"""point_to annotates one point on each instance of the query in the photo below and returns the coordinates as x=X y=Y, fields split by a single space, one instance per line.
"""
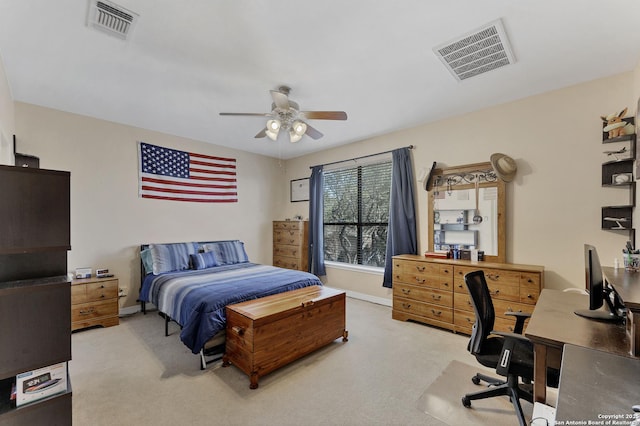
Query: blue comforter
x=196 y=299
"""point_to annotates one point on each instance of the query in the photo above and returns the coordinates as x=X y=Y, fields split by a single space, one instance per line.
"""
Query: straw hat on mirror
x=504 y=166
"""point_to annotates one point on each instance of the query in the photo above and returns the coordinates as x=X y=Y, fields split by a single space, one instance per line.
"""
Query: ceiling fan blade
x=325 y=115
x=280 y=99
x=253 y=114
x=261 y=134
x=313 y=133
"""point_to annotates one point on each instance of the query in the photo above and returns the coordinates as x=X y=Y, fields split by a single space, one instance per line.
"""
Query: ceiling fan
x=286 y=115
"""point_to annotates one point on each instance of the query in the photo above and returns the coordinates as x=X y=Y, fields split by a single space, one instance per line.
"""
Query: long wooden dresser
x=432 y=291
x=291 y=244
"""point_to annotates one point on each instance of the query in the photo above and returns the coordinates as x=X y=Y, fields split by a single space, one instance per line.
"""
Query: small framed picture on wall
x=300 y=190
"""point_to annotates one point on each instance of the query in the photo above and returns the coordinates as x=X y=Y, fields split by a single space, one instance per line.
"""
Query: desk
x=595 y=384
x=553 y=324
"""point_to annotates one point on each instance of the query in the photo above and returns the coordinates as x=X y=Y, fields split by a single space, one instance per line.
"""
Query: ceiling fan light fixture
x=294 y=137
x=299 y=127
x=273 y=128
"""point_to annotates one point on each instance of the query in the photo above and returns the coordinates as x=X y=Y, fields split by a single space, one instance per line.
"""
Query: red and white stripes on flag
x=169 y=174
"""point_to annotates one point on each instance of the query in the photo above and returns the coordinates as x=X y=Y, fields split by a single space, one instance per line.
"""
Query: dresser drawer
x=502 y=306
x=432 y=311
x=288 y=226
x=91 y=310
x=462 y=301
x=530 y=287
x=464 y=320
x=423 y=274
x=291 y=238
x=286 y=251
x=286 y=262
x=423 y=294
x=496 y=278
x=81 y=293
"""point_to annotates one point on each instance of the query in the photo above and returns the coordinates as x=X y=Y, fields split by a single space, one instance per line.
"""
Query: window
x=356 y=214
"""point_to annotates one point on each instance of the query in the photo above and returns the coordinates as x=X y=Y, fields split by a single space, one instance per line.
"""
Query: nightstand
x=94 y=301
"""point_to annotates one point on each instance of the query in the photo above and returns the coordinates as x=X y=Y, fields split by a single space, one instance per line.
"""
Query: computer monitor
x=600 y=291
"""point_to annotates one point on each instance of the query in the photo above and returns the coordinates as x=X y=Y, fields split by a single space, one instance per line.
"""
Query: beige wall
x=109 y=221
x=7 y=120
x=553 y=205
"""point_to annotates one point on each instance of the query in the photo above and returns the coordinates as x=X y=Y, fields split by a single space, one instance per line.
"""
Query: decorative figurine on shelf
x=616 y=126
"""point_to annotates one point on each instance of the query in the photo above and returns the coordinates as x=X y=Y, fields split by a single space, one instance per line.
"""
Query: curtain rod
x=359 y=158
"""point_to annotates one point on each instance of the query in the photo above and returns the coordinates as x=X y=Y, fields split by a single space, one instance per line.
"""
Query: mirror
x=454 y=220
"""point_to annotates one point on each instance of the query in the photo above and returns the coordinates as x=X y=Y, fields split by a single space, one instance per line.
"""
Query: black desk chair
x=511 y=354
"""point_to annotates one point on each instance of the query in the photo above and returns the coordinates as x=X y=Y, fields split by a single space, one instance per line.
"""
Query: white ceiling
x=187 y=61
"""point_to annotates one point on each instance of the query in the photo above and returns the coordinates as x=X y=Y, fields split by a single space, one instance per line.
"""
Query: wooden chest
x=265 y=334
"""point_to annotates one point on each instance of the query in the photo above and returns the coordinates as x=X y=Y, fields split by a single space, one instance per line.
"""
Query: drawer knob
x=406 y=305
x=436 y=297
x=494 y=293
x=102 y=286
x=494 y=277
x=406 y=290
x=420 y=280
x=436 y=313
x=529 y=296
x=420 y=268
x=468 y=319
x=238 y=330
x=459 y=285
x=446 y=271
x=447 y=284
x=102 y=296
x=530 y=280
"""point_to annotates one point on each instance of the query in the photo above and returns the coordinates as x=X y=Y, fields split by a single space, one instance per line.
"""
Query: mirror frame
x=459 y=178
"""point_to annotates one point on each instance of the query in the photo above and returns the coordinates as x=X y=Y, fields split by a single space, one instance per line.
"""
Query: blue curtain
x=316 y=219
x=401 y=233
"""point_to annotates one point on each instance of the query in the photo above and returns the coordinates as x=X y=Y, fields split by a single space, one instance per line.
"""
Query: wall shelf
x=617 y=172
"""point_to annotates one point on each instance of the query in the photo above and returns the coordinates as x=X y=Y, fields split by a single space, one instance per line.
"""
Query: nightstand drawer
x=94 y=290
x=91 y=310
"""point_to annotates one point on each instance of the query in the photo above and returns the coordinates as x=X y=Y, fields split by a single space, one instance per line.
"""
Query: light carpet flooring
x=132 y=374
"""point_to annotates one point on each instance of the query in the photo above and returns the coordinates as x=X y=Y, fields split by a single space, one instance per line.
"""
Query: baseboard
x=129 y=310
x=369 y=298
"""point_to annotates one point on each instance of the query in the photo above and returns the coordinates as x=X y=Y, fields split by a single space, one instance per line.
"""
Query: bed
x=191 y=283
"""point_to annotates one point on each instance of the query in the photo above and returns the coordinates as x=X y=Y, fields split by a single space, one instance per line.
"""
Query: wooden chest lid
x=286 y=303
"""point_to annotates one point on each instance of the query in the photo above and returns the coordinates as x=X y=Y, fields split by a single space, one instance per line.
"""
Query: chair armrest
x=520 y=318
x=511 y=336
x=510 y=341
x=518 y=314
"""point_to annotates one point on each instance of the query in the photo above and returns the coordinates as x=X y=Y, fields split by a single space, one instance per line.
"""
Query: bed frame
x=213 y=349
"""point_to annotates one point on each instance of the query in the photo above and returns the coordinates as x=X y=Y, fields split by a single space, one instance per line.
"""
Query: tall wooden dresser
x=432 y=291
x=291 y=244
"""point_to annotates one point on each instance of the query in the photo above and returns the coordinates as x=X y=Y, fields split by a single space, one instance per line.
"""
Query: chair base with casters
x=510 y=387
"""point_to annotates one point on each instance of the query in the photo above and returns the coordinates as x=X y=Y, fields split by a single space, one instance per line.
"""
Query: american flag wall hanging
x=169 y=174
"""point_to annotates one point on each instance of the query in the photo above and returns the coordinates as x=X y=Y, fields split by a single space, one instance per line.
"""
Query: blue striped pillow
x=228 y=252
x=171 y=257
x=204 y=260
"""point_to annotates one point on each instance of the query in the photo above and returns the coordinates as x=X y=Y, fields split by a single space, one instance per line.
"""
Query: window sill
x=356 y=268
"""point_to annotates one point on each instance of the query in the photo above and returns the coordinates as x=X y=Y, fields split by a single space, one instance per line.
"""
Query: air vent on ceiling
x=111 y=18
x=477 y=52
